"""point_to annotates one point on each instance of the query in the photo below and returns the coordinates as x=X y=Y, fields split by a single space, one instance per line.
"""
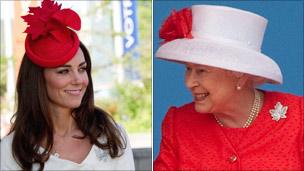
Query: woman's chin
x=200 y=108
x=73 y=105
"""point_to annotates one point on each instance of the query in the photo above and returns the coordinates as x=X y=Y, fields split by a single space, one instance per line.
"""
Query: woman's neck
x=236 y=112
x=63 y=122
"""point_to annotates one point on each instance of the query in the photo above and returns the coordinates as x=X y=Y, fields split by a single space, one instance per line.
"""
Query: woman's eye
x=201 y=70
x=188 y=69
x=83 y=69
x=65 y=71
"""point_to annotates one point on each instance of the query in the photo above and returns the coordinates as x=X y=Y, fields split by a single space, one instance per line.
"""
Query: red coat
x=194 y=141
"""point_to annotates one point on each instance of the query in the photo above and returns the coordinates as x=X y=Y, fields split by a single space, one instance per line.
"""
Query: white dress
x=97 y=159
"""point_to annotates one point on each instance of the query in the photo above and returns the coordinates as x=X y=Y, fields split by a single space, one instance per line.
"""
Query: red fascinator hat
x=50 y=40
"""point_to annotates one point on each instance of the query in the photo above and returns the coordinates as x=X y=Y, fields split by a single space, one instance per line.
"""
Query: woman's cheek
x=86 y=79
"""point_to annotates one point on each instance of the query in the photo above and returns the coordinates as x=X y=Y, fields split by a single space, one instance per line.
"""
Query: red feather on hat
x=50 y=19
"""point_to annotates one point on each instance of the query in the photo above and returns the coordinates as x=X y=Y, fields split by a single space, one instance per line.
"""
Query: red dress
x=194 y=141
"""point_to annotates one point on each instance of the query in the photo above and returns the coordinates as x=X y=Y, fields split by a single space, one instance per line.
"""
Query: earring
x=238 y=87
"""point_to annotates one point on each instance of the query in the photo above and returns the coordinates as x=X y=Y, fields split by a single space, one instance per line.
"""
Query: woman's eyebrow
x=82 y=63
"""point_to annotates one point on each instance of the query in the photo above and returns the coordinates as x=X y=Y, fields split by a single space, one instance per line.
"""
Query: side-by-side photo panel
x=228 y=85
x=77 y=90
x=76 y=86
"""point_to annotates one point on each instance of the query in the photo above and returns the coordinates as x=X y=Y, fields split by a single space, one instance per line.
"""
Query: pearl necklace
x=253 y=112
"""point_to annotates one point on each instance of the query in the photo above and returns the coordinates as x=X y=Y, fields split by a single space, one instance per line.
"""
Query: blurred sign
x=125 y=22
x=129 y=24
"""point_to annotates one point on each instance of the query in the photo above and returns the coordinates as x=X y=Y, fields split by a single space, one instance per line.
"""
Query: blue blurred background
x=283 y=42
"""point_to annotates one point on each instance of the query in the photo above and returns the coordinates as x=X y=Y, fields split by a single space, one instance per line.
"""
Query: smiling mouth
x=200 y=96
x=73 y=92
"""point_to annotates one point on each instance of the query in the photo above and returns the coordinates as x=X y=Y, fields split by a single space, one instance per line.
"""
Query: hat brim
x=221 y=55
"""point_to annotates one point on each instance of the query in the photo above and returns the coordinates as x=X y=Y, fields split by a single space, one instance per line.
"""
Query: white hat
x=224 y=37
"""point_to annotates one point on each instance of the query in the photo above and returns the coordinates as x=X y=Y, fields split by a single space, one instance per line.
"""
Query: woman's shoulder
x=280 y=103
x=8 y=138
x=6 y=142
x=184 y=113
x=7 y=160
x=283 y=95
x=188 y=107
x=284 y=98
x=125 y=159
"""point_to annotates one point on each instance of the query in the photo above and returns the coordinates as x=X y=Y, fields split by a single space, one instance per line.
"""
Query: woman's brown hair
x=33 y=125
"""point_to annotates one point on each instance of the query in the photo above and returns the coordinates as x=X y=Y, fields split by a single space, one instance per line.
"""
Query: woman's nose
x=77 y=78
x=191 y=80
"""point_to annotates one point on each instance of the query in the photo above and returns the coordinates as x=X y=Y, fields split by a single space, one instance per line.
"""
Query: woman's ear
x=242 y=79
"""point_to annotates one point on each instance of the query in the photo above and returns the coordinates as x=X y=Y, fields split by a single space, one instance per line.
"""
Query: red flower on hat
x=50 y=19
x=177 y=25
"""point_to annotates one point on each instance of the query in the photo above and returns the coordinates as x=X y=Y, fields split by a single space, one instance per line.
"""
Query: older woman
x=57 y=126
x=230 y=125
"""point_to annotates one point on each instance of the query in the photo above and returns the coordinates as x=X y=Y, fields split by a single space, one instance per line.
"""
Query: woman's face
x=67 y=84
x=212 y=88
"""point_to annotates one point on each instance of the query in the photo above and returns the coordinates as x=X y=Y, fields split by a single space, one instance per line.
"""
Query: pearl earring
x=238 y=87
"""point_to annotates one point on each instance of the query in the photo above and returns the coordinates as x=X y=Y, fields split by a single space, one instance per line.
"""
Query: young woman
x=57 y=126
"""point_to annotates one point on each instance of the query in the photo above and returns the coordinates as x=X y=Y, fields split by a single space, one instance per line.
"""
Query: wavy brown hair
x=33 y=125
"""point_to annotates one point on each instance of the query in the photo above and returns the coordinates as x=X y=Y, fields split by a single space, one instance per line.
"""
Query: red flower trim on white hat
x=177 y=25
